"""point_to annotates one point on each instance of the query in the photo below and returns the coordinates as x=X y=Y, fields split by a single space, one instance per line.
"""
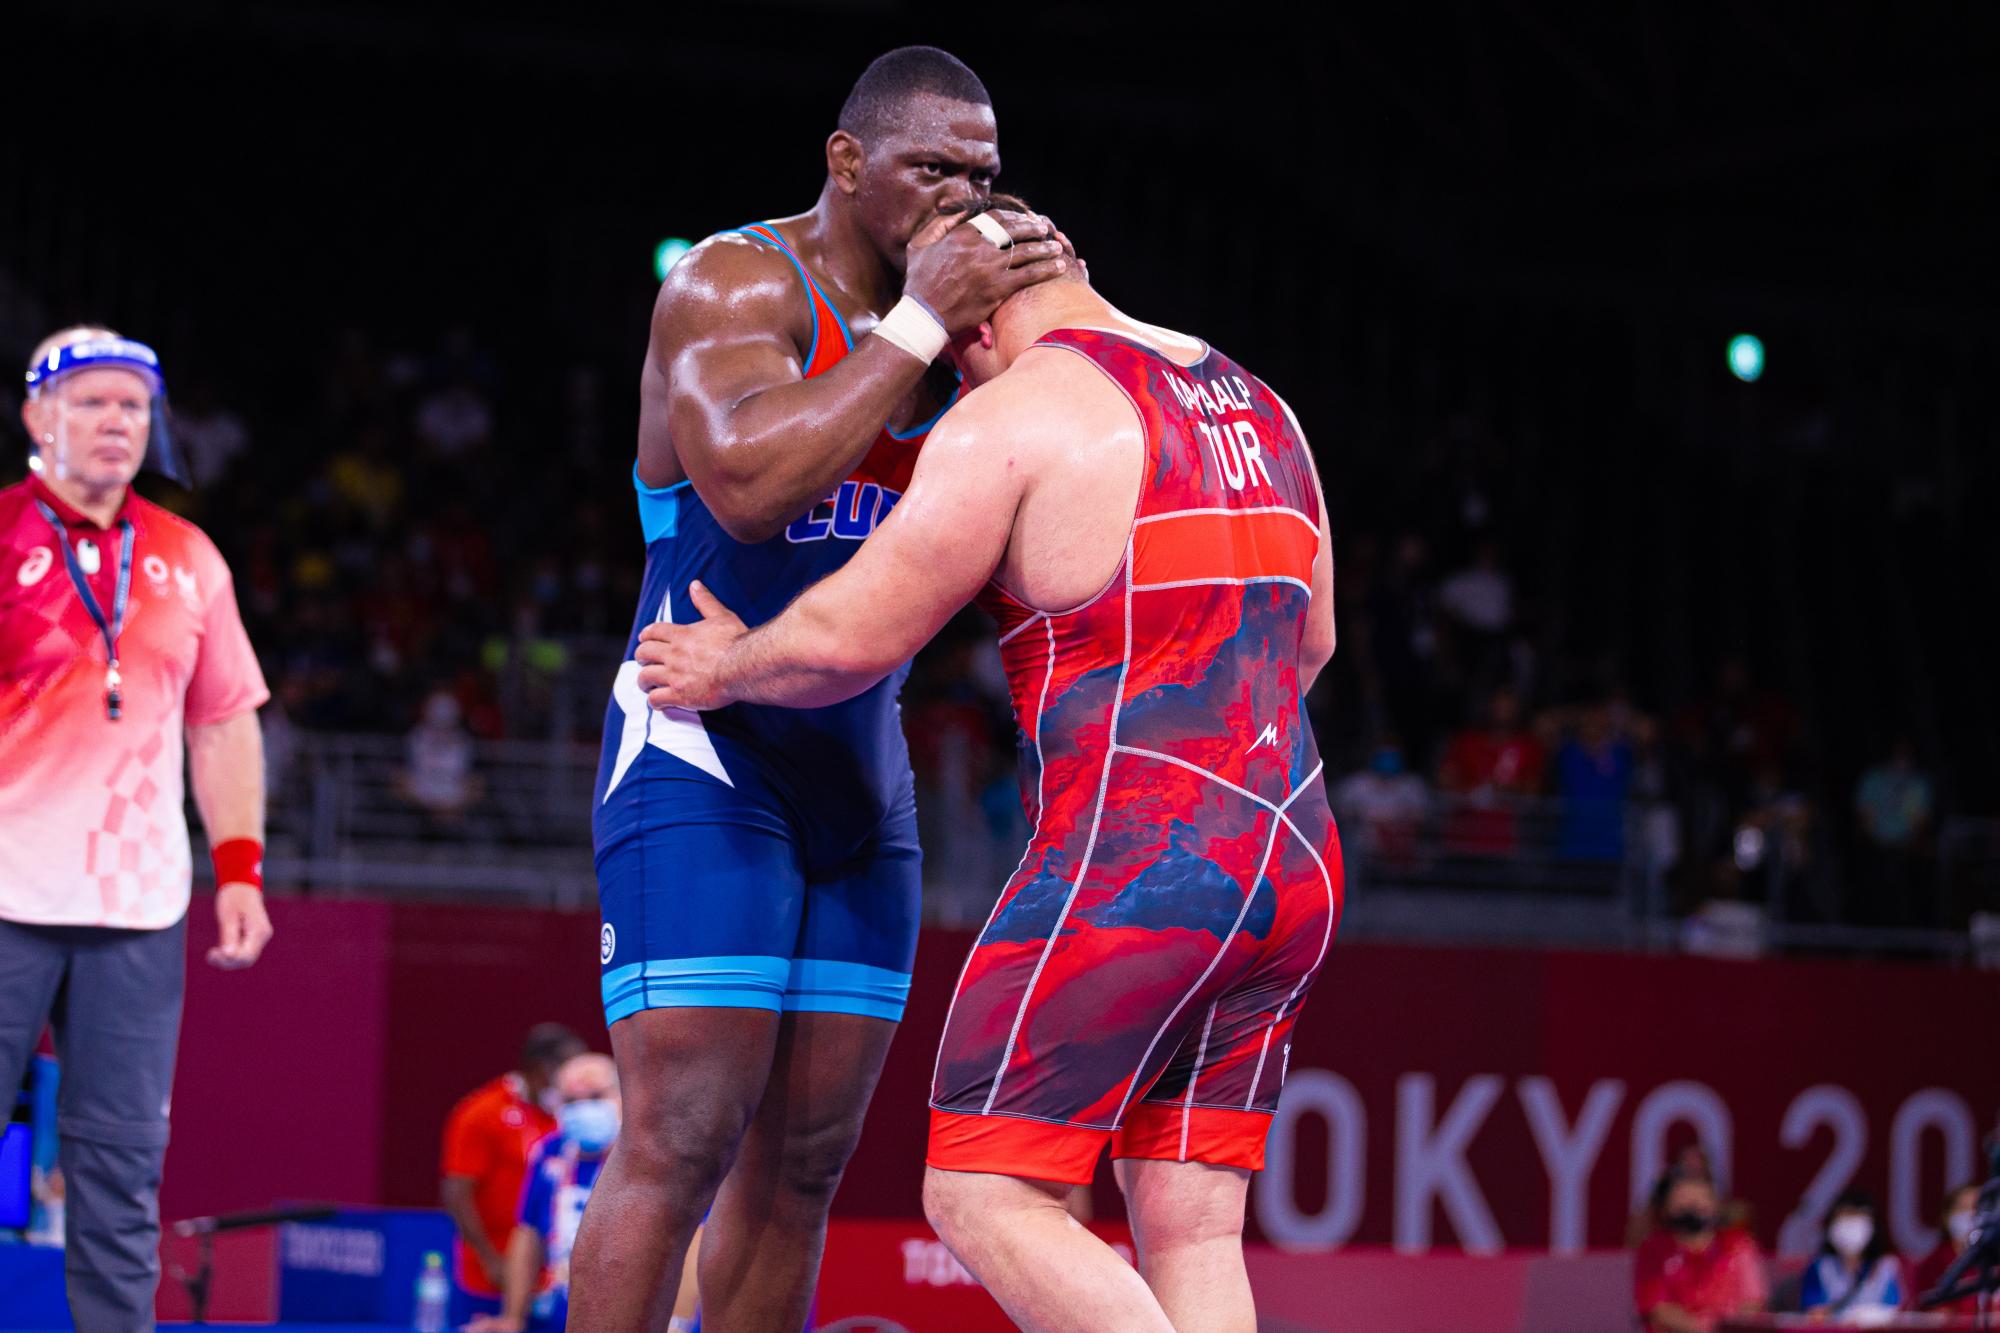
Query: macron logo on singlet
x=850 y=513
x=1268 y=736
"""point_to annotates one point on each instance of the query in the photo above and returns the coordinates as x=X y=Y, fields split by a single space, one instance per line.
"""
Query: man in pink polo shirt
x=119 y=637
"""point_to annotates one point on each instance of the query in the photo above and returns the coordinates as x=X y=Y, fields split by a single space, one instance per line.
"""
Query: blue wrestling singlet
x=759 y=857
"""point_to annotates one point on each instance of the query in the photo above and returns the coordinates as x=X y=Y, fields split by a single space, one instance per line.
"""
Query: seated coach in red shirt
x=1691 y=1273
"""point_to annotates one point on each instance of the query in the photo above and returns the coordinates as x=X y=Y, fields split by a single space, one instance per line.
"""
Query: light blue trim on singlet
x=735 y=981
x=830 y=986
x=769 y=235
x=759 y=230
x=750 y=981
x=659 y=512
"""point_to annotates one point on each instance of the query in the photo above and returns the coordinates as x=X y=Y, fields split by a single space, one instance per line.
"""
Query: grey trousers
x=114 y=997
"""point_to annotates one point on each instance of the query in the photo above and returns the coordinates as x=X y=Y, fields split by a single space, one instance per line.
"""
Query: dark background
x=1491 y=254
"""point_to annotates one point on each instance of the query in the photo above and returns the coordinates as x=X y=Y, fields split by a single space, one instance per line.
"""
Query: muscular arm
x=723 y=397
x=723 y=400
x=933 y=553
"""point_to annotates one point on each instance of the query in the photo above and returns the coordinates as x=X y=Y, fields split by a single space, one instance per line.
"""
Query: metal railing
x=347 y=818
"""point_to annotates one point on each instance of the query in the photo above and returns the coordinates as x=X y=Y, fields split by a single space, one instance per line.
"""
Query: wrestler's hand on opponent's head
x=963 y=277
x=678 y=663
x=1068 y=246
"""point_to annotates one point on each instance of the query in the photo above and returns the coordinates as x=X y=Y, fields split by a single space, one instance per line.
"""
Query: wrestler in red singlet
x=1142 y=970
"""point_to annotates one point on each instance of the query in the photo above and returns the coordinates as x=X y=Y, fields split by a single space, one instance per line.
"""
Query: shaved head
x=880 y=96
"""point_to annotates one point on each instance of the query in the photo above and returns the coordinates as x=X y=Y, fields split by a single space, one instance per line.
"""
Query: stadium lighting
x=668 y=253
x=1746 y=357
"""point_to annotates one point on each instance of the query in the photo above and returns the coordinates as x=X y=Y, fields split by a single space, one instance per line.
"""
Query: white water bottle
x=433 y=1296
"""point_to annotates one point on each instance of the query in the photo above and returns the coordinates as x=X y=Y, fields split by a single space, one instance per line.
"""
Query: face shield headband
x=117 y=354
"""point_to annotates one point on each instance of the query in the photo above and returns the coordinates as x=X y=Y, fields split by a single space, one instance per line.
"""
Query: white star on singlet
x=678 y=731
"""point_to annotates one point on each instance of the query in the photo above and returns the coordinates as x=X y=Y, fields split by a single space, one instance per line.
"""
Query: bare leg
x=688 y=1302
x=760 y=1258
x=690 y=1079
x=1188 y=1220
x=1047 y=1272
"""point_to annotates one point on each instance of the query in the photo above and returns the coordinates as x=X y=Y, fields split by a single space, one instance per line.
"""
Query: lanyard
x=114 y=693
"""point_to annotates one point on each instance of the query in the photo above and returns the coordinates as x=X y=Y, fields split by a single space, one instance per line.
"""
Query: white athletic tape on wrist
x=914 y=329
x=993 y=230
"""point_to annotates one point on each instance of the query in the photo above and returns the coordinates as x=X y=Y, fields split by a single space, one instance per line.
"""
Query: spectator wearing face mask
x=438 y=776
x=1853 y=1276
x=562 y=1170
x=1690 y=1160
x=1690 y=1274
x=487 y=1141
x=1956 y=1221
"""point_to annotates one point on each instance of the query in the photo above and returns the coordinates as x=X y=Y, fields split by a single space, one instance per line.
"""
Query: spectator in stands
x=1853 y=1276
x=455 y=419
x=438 y=775
x=1403 y=635
x=1894 y=799
x=208 y=435
x=366 y=477
x=1692 y=1273
x=1776 y=847
x=1478 y=602
x=1494 y=767
x=281 y=737
x=1481 y=596
x=562 y=1170
x=1894 y=803
x=1956 y=1222
x=1384 y=805
x=1726 y=739
x=1594 y=770
x=487 y=1141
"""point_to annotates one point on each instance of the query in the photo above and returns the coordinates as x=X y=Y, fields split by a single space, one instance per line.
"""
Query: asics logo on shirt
x=39 y=562
x=850 y=513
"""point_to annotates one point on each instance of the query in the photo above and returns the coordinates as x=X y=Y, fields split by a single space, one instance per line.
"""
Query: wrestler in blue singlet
x=758 y=857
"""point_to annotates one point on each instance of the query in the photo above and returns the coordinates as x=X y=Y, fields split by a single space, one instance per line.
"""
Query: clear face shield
x=107 y=353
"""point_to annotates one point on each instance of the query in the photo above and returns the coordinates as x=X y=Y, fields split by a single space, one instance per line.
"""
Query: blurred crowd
x=420 y=544
x=1476 y=722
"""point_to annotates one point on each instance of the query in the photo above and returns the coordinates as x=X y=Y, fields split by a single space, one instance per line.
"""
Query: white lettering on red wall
x=1929 y=1143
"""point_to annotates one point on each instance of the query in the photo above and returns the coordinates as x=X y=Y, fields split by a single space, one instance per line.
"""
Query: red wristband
x=238 y=861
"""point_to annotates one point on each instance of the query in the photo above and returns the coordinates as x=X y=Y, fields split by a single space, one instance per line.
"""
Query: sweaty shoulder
x=1051 y=404
x=730 y=278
